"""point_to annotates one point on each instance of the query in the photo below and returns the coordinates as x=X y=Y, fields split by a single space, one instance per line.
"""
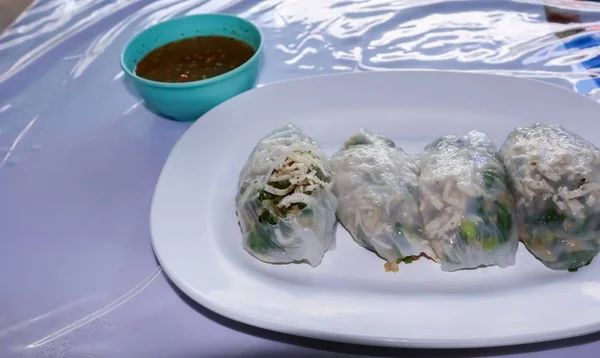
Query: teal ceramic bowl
x=188 y=101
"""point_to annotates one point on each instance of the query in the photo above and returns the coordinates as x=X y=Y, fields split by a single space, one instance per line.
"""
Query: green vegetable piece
x=549 y=216
x=504 y=221
x=587 y=263
x=265 y=195
x=581 y=255
x=405 y=231
x=398 y=227
x=356 y=140
x=267 y=217
x=489 y=243
x=243 y=188
x=468 y=230
x=490 y=177
x=502 y=208
x=306 y=211
x=258 y=243
x=481 y=209
x=280 y=184
x=407 y=260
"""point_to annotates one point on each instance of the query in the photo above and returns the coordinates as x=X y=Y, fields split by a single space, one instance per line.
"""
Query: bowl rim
x=199 y=82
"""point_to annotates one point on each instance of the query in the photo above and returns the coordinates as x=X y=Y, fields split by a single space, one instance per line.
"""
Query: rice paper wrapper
x=465 y=203
x=301 y=232
x=377 y=188
x=555 y=178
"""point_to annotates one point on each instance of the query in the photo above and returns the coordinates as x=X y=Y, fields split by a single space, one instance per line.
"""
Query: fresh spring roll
x=377 y=188
x=555 y=178
x=285 y=203
x=466 y=206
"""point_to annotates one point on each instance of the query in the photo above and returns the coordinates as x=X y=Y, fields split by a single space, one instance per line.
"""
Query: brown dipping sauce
x=194 y=59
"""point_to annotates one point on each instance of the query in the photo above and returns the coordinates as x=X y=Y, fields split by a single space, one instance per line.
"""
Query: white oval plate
x=349 y=297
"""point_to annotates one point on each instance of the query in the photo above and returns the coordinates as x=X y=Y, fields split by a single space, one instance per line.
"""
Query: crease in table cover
x=80 y=154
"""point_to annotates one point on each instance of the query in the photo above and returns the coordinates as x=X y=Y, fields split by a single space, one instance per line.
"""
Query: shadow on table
x=324 y=349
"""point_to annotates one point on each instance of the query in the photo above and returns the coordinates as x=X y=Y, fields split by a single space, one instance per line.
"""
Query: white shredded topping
x=449 y=199
x=450 y=208
x=467 y=189
x=278 y=192
x=300 y=169
x=559 y=204
x=450 y=224
x=591 y=200
x=579 y=192
x=575 y=206
x=436 y=223
x=548 y=172
x=295 y=199
x=437 y=203
x=539 y=184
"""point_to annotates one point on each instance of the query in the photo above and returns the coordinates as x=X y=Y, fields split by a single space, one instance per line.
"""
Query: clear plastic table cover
x=80 y=155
